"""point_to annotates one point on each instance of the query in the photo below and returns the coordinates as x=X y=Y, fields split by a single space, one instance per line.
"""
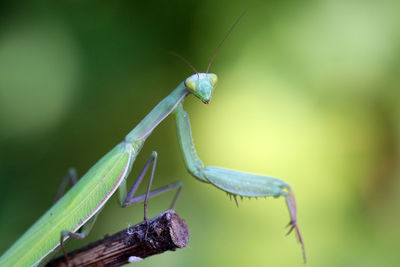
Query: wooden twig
x=165 y=232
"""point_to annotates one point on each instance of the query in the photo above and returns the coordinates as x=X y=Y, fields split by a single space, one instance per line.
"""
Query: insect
x=75 y=212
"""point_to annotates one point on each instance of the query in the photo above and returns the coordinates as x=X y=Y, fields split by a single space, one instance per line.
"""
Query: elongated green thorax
x=157 y=114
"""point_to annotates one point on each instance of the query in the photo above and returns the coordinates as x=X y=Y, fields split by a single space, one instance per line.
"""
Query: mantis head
x=202 y=85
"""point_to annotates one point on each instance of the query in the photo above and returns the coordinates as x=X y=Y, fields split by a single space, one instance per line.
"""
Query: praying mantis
x=75 y=212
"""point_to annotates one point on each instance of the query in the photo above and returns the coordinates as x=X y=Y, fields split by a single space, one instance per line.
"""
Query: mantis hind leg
x=129 y=199
x=71 y=177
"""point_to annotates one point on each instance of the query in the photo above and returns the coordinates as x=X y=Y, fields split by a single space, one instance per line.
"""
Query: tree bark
x=165 y=232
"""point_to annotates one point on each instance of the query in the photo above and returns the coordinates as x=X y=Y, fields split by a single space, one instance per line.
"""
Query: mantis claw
x=291 y=227
x=291 y=203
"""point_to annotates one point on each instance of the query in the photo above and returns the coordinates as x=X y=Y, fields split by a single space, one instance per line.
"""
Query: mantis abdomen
x=74 y=209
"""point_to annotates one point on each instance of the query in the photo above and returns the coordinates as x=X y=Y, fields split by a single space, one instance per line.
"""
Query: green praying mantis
x=75 y=212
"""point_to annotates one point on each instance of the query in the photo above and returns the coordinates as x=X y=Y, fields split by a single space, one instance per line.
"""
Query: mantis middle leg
x=129 y=199
x=125 y=199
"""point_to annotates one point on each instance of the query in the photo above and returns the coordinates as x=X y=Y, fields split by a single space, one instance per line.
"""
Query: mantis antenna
x=226 y=37
x=184 y=60
x=216 y=50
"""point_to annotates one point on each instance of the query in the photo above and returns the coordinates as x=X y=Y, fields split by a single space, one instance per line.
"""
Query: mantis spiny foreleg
x=233 y=182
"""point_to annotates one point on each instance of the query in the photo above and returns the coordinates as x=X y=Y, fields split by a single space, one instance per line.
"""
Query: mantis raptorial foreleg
x=233 y=182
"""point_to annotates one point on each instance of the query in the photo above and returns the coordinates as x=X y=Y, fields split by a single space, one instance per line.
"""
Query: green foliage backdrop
x=308 y=91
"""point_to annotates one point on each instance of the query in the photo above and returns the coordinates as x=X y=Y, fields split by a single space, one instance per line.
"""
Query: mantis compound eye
x=190 y=84
x=213 y=80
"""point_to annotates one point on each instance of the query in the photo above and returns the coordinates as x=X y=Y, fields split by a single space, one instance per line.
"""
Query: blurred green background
x=308 y=91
